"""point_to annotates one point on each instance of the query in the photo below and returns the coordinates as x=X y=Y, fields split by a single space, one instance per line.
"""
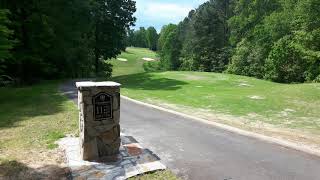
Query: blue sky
x=157 y=13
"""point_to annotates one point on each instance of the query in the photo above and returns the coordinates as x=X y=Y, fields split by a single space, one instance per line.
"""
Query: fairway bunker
x=122 y=59
x=256 y=97
x=148 y=59
x=245 y=85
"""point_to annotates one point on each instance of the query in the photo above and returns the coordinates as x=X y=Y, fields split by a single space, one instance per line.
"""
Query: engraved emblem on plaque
x=102 y=103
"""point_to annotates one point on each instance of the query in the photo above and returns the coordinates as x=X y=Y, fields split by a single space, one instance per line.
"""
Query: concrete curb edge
x=265 y=138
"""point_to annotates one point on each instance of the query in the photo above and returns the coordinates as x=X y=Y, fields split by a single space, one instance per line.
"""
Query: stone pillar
x=99 y=105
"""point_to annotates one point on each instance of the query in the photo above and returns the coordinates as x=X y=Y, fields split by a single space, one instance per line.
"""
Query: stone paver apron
x=101 y=152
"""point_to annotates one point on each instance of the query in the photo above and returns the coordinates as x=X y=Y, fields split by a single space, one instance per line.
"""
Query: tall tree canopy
x=58 y=38
x=152 y=38
x=111 y=19
x=271 y=39
x=165 y=31
x=143 y=38
x=169 y=46
x=5 y=42
x=204 y=38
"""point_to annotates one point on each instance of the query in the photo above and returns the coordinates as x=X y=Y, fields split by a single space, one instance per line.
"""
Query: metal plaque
x=102 y=103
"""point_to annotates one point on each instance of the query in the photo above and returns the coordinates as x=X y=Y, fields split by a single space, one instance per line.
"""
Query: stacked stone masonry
x=99 y=116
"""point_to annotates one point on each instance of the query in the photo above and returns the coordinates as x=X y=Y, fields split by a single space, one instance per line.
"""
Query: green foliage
x=5 y=41
x=165 y=31
x=52 y=137
x=317 y=79
x=201 y=40
x=106 y=71
x=247 y=62
x=152 y=38
x=187 y=63
x=285 y=62
x=247 y=15
x=140 y=38
x=143 y=38
x=111 y=19
x=280 y=43
x=170 y=53
x=274 y=39
x=152 y=66
x=58 y=38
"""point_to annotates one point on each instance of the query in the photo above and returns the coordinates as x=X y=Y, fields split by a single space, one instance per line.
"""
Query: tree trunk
x=96 y=51
x=96 y=64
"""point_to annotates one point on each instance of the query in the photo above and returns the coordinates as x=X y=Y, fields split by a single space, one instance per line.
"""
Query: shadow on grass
x=18 y=104
x=146 y=81
x=127 y=51
x=17 y=170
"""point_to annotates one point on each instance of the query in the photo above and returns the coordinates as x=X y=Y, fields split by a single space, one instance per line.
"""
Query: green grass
x=32 y=118
x=293 y=106
x=223 y=93
x=134 y=63
x=158 y=175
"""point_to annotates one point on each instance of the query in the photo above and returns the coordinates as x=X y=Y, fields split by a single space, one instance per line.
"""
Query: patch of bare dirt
x=34 y=164
x=244 y=85
x=252 y=122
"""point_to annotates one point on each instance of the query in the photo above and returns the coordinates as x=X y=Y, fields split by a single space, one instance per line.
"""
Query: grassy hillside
x=134 y=61
x=226 y=98
x=31 y=120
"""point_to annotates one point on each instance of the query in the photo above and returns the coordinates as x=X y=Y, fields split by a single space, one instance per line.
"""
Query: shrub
x=317 y=79
x=247 y=60
x=152 y=66
x=286 y=62
x=106 y=70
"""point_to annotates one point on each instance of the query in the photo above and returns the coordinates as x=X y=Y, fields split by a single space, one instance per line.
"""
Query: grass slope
x=237 y=99
x=134 y=63
x=31 y=120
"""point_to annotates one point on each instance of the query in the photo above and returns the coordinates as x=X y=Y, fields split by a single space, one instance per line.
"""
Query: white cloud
x=160 y=12
x=166 y=11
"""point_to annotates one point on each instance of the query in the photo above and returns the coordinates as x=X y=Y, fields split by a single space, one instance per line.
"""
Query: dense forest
x=277 y=40
x=145 y=38
x=51 y=39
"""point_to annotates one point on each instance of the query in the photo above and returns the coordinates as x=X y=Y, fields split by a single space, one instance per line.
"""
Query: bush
x=106 y=70
x=317 y=79
x=6 y=80
x=286 y=63
x=152 y=66
x=247 y=60
x=188 y=64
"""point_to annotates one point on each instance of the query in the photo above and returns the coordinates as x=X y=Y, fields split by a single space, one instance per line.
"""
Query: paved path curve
x=197 y=151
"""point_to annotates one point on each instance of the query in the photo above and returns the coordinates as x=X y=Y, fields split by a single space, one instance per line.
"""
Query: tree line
x=277 y=40
x=145 y=38
x=51 y=39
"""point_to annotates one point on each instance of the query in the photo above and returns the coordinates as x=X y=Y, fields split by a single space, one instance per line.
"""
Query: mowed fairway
x=245 y=102
x=134 y=61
